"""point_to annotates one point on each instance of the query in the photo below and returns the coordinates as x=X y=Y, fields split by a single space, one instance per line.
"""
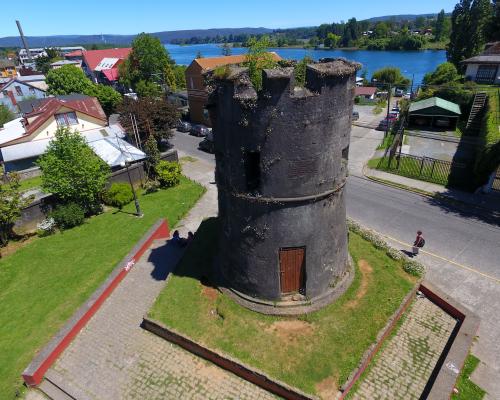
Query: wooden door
x=292 y=269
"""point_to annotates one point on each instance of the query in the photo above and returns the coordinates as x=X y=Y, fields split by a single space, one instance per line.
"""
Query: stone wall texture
x=281 y=165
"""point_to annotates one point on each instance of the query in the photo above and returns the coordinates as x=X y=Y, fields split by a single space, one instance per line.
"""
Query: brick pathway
x=403 y=368
x=113 y=358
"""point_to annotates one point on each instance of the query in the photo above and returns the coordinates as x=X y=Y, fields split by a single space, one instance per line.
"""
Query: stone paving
x=113 y=358
x=405 y=364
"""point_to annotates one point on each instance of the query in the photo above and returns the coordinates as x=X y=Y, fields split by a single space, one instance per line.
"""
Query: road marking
x=494 y=279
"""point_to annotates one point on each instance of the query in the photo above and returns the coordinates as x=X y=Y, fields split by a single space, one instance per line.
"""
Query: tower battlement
x=281 y=165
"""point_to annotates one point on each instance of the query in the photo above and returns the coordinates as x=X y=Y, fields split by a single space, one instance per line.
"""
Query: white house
x=485 y=68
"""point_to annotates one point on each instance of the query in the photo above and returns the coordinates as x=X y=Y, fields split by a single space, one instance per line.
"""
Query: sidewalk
x=114 y=358
x=488 y=202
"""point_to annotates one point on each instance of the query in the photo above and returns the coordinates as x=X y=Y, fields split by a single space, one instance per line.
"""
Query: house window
x=191 y=83
x=32 y=90
x=252 y=170
x=66 y=119
x=19 y=90
x=486 y=73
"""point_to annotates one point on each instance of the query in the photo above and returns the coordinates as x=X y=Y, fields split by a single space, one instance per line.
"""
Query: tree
x=332 y=40
x=154 y=117
x=72 y=172
x=469 y=23
x=5 y=115
x=68 y=79
x=12 y=202
x=440 y=26
x=180 y=76
x=148 y=89
x=43 y=62
x=381 y=30
x=300 y=71
x=390 y=75
x=147 y=61
x=494 y=28
x=444 y=73
x=108 y=97
x=226 y=49
x=170 y=78
x=257 y=59
x=153 y=154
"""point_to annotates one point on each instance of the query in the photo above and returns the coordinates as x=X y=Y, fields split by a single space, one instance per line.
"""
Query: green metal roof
x=435 y=102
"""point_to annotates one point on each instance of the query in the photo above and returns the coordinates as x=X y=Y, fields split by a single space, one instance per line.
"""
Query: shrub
x=395 y=254
x=169 y=173
x=118 y=195
x=46 y=227
x=413 y=268
x=68 y=215
x=151 y=186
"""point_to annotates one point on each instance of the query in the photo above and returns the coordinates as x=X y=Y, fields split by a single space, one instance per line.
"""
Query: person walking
x=419 y=243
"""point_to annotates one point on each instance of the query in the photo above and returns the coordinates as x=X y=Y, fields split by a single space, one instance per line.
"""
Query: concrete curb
x=34 y=373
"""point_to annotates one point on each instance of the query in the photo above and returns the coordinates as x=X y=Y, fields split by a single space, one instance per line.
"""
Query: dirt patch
x=366 y=276
x=15 y=245
x=209 y=292
x=327 y=389
x=290 y=330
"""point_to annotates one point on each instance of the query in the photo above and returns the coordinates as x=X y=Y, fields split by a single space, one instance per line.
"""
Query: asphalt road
x=462 y=250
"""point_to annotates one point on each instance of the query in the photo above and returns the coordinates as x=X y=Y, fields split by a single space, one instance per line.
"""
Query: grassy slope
x=42 y=284
x=468 y=390
x=31 y=183
x=332 y=350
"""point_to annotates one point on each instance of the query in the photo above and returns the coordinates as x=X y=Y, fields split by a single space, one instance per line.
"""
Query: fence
x=422 y=168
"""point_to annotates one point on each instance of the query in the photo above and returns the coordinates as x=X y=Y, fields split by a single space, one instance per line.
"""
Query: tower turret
x=281 y=167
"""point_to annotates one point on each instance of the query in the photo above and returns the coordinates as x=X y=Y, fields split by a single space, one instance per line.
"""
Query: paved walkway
x=403 y=368
x=113 y=358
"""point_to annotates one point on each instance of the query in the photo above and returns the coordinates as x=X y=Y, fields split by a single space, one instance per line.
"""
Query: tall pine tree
x=469 y=22
x=439 y=30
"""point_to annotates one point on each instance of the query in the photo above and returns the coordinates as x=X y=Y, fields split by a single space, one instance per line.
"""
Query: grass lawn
x=411 y=168
x=42 y=284
x=468 y=390
x=312 y=352
x=30 y=183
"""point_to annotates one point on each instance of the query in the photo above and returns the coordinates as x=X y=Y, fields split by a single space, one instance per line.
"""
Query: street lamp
x=137 y=206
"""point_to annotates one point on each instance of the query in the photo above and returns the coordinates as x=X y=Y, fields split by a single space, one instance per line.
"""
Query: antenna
x=25 y=43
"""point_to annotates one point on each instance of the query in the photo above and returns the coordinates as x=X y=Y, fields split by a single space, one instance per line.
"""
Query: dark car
x=207 y=145
x=355 y=115
x=183 y=126
x=385 y=124
x=199 y=130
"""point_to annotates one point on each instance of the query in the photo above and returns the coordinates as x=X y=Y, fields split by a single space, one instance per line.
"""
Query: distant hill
x=401 y=17
x=165 y=37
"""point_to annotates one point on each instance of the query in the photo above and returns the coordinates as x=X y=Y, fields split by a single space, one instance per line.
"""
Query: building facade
x=281 y=166
x=195 y=83
x=485 y=68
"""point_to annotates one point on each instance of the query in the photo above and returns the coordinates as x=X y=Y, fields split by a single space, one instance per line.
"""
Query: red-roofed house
x=82 y=114
x=101 y=65
x=367 y=92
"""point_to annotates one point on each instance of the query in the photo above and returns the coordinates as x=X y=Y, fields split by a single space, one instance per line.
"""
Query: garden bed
x=316 y=352
x=44 y=283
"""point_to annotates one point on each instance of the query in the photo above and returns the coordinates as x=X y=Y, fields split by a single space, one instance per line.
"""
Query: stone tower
x=281 y=167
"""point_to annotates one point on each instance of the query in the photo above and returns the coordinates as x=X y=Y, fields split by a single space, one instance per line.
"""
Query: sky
x=65 y=17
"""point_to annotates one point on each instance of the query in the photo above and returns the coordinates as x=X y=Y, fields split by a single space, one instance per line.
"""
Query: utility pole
x=388 y=108
x=25 y=43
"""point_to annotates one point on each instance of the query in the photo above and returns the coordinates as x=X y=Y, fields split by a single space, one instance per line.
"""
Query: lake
x=412 y=63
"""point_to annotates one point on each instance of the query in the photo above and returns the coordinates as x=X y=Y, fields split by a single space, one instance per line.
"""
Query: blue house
x=21 y=88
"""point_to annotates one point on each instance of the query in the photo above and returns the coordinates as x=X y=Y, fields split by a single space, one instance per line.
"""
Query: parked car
x=385 y=124
x=199 y=130
x=355 y=115
x=207 y=145
x=399 y=92
x=395 y=109
x=183 y=126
